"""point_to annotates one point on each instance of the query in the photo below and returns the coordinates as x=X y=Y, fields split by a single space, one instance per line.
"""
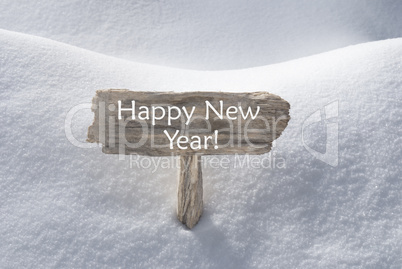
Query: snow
x=74 y=207
x=206 y=34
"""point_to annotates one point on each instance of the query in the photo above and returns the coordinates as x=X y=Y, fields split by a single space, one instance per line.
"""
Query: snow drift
x=66 y=206
x=206 y=34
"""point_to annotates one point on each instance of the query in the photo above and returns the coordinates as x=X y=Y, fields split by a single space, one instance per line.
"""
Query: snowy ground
x=67 y=206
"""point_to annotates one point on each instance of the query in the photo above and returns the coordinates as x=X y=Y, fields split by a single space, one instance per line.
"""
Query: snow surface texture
x=66 y=206
x=207 y=34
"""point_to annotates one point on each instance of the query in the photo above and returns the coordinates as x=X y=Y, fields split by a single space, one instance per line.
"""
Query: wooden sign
x=188 y=124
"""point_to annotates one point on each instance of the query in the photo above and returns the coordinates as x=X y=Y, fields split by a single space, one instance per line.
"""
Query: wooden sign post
x=188 y=124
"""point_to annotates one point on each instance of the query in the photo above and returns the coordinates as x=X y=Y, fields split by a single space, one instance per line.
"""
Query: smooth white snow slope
x=65 y=206
x=207 y=34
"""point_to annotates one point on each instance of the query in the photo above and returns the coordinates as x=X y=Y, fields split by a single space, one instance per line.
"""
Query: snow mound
x=66 y=206
x=206 y=34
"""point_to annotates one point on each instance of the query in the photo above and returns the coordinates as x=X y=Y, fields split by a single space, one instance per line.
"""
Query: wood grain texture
x=140 y=137
x=239 y=136
x=189 y=191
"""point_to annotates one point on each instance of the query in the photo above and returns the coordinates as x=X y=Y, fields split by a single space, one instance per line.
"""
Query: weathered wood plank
x=234 y=136
x=125 y=132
